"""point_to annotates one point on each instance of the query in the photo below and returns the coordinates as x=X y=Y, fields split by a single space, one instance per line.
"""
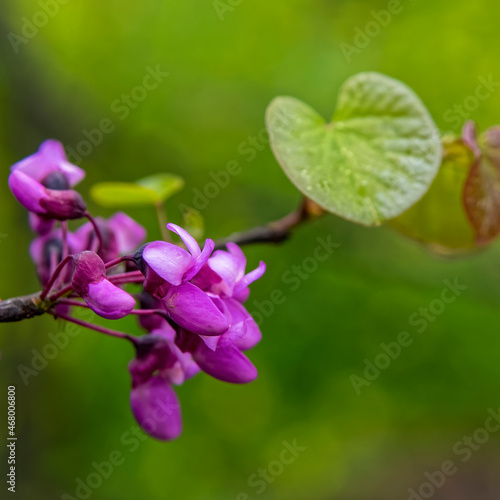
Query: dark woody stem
x=19 y=308
x=29 y=306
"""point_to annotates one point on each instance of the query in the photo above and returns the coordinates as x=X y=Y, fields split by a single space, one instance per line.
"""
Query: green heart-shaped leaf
x=439 y=219
x=376 y=159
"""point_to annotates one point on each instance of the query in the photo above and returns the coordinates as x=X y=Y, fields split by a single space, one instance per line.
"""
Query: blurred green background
x=68 y=76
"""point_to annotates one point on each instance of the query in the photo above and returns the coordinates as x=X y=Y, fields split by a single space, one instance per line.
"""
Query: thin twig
x=119 y=260
x=19 y=308
x=64 y=235
x=97 y=231
x=130 y=275
x=277 y=231
x=70 y=302
x=146 y=312
x=54 y=276
x=62 y=292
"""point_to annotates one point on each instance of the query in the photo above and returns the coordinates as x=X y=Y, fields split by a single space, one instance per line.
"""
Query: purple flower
x=223 y=278
x=156 y=409
x=42 y=183
x=181 y=365
x=168 y=269
x=225 y=275
x=172 y=263
x=193 y=309
x=221 y=356
x=149 y=322
x=39 y=224
x=46 y=251
x=89 y=281
x=215 y=326
x=120 y=234
x=158 y=364
x=191 y=304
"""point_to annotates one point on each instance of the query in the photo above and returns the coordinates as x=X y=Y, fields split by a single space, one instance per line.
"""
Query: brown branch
x=277 y=231
x=19 y=308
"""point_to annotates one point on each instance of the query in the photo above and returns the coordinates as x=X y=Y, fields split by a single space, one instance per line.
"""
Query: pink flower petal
x=168 y=261
x=228 y=364
x=194 y=310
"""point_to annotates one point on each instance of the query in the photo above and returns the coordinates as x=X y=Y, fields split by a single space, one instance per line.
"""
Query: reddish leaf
x=482 y=188
x=439 y=220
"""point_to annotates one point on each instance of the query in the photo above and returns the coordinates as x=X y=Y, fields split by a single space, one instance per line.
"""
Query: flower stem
x=147 y=312
x=70 y=302
x=96 y=230
x=62 y=292
x=54 y=276
x=64 y=234
x=130 y=275
x=119 y=260
x=91 y=326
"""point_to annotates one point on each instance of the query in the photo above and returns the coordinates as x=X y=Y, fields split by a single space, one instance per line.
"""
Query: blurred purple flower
x=120 y=235
x=46 y=251
x=39 y=224
x=42 y=183
x=158 y=364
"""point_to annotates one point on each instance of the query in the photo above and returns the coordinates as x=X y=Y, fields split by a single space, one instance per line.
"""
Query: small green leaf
x=439 y=219
x=164 y=185
x=148 y=191
x=119 y=194
x=376 y=159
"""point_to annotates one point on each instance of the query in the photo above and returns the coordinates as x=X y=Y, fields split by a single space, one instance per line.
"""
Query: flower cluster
x=190 y=301
x=205 y=325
